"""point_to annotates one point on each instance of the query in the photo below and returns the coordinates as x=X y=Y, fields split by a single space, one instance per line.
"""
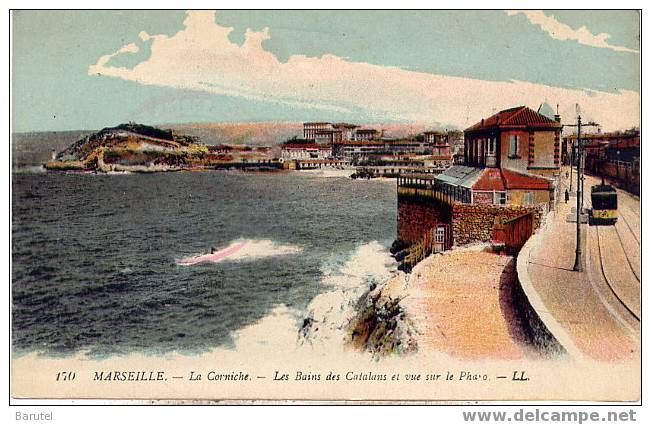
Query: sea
x=103 y=263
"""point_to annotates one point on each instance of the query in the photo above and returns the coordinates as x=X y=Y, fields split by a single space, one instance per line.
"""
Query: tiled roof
x=490 y=179
x=520 y=116
x=515 y=180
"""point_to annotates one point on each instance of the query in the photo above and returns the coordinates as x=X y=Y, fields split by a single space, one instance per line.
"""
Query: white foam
x=369 y=261
x=277 y=331
x=332 y=311
x=242 y=250
x=329 y=312
x=29 y=169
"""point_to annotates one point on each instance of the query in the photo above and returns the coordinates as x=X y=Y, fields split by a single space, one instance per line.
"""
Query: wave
x=321 y=326
x=277 y=331
x=329 y=313
x=242 y=250
x=28 y=169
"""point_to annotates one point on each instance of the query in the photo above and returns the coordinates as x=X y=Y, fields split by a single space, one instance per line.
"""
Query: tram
x=604 y=204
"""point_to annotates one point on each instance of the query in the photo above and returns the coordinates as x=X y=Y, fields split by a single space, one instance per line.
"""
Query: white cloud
x=561 y=31
x=202 y=58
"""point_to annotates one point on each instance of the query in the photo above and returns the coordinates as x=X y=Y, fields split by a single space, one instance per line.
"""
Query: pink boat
x=213 y=257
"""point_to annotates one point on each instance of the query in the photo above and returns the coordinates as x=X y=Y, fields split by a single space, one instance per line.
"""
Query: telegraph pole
x=578 y=253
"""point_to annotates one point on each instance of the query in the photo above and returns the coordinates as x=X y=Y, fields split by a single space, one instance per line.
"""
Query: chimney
x=557 y=117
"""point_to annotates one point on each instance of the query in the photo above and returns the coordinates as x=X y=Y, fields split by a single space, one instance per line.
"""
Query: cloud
x=129 y=48
x=560 y=31
x=202 y=58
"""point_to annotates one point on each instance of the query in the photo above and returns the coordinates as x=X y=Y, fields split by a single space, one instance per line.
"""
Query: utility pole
x=578 y=253
x=571 y=167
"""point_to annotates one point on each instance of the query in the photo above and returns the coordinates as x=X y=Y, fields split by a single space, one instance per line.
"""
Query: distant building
x=325 y=132
x=439 y=144
x=455 y=139
x=295 y=151
x=615 y=146
x=357 y=149
x=435 y=137
x=347 y=130
x=362 y=149
x=323 y=137
x=406 y=146
x=311 y=128
x=366 y=134
x=614 y=155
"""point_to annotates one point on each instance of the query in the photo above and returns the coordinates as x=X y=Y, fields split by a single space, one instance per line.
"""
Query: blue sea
x=94 y=257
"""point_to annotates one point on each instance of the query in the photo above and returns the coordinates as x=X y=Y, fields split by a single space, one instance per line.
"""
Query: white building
x=292 y=151
x=310 y=129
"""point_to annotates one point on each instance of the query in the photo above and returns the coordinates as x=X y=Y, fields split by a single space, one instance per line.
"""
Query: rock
x=381 y=326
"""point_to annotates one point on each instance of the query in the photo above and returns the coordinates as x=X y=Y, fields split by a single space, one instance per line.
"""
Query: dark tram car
x=604 y=204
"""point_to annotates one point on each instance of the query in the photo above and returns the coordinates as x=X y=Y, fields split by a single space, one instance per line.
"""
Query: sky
x=448 y=69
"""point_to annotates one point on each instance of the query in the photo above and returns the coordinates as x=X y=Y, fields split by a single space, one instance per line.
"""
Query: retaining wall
x=474 y=223
x=417 y=216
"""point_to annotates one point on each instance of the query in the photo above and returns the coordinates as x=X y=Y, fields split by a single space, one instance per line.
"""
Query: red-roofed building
x=510 y=159
x=519 y=139
x=501 y=186
x=520 y=150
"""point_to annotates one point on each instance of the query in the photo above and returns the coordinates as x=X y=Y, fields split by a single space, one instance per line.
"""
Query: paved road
x=616 y=260
x=596 y=318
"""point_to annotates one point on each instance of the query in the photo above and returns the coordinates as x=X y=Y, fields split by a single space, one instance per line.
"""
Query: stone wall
x=417 y=216
x=474 y=223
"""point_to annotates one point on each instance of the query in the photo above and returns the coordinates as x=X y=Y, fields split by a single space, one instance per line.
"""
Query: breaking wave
x=241 y=250
x=322 y=325
x=329 y=313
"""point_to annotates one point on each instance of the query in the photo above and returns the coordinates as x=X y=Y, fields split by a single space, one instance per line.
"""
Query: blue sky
x=60 y=83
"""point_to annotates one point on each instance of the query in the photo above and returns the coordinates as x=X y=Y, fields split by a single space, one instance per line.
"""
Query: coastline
x=433 y=309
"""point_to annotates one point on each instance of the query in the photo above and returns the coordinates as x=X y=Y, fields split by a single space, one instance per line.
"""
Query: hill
x=130 y=147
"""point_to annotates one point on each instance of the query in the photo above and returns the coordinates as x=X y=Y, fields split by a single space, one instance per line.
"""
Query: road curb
x=553 y=326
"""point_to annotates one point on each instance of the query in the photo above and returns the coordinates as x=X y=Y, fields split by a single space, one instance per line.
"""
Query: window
x=490 y=148
x=500 y=198
x=514 y=141
x=528 y=198
x=440 y=234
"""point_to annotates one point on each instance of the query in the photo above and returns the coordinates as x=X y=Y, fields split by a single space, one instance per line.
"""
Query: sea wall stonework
x=417 y=216
x=474 y=223
x=470 y=223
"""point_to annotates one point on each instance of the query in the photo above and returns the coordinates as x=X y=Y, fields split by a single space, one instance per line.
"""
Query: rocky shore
x=381 y=325
x=434 y=308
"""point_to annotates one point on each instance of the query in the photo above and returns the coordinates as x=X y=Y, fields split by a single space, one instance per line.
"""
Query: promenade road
x=596 y=307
